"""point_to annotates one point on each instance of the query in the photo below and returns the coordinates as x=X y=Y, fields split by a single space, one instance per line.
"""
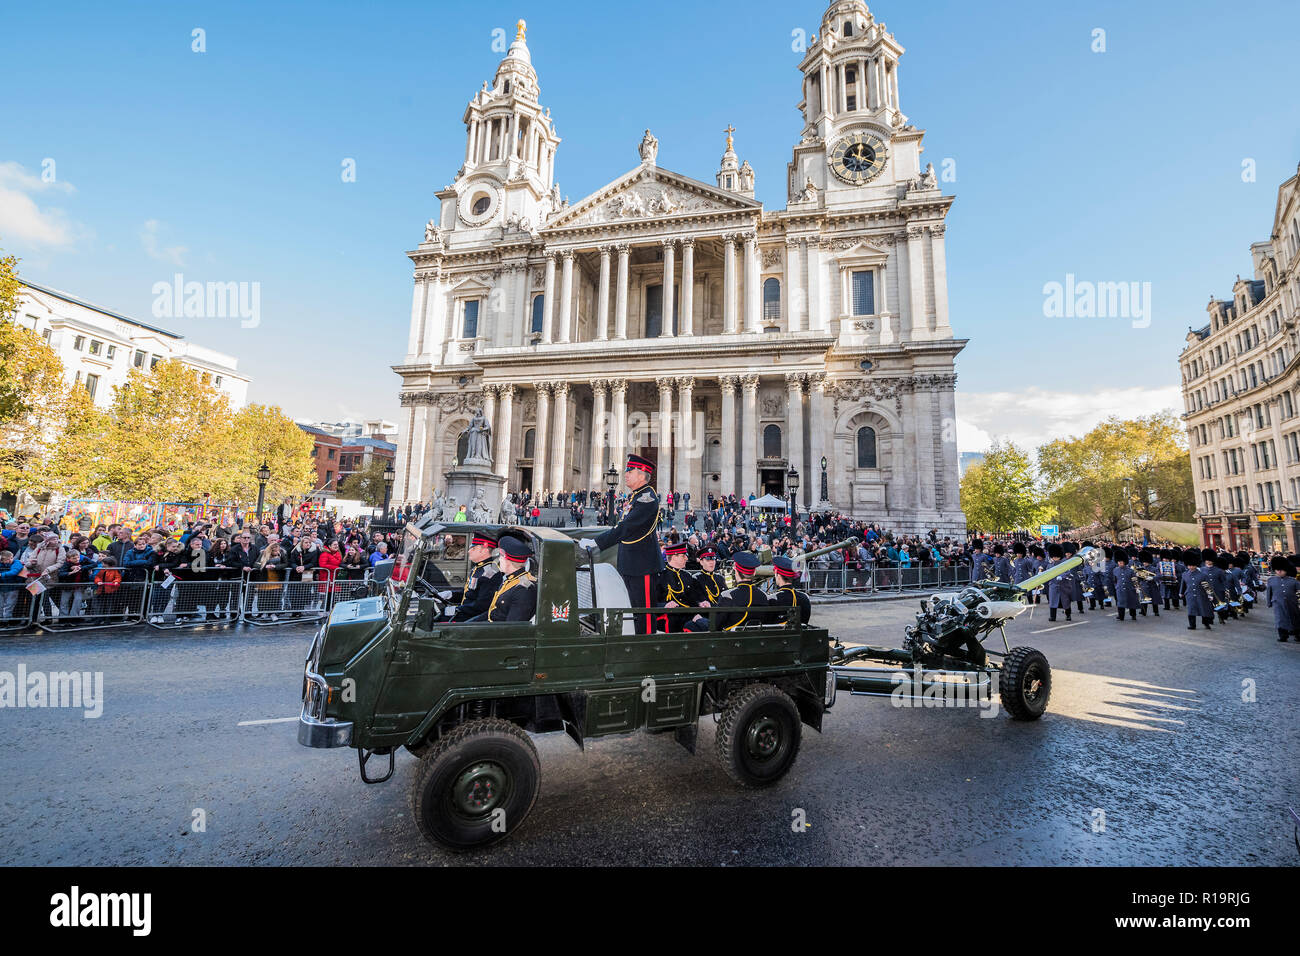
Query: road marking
x=273 y=720
x=1059 y=627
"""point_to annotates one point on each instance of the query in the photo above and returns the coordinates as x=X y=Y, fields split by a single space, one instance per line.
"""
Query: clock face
x=858 y=158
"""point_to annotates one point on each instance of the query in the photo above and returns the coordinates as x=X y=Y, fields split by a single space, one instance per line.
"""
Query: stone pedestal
x=466 y=480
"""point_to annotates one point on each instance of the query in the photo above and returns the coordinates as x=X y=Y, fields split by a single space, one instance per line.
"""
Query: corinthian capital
x=665 y=384
x=795 y=380
x=685 y=384
x=729 y=383
x=750 y=381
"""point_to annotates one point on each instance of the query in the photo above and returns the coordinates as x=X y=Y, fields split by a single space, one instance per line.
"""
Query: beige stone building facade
x=1241 y=391
x=818 y=332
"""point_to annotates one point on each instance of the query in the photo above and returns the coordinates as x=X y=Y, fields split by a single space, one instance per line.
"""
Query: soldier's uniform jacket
x=713 y=583
x=1023 y=569
x=1152 y=587
x=515 y=600
x=681 y=587
x=1126 y=595
x=1060 y=590
x=1167 y=575
x=483 y=582
x=790 y=596
x=1218 y=579
x=980 y=565
x=1283 y=599
x=739 y=603
x=1002 y=568
x=638 y=549
x=1193 y=592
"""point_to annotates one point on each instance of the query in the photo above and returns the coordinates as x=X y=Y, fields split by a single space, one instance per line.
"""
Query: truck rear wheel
x=1026 y=683
x=758 y=735
x=475 y=785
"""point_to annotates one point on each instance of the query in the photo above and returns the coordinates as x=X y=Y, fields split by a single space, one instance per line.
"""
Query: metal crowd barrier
x=172 y=602
x=883 y=581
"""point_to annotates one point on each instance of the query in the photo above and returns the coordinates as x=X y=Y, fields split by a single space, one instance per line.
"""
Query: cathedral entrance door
x=773 y=480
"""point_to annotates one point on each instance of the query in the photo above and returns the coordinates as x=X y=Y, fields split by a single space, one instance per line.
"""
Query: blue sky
x=225 y=165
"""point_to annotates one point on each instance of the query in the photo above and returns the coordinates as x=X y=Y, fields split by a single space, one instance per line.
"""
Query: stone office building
x=815 y=333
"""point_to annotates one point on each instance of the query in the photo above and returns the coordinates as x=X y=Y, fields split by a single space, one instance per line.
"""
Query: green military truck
x=388 y=671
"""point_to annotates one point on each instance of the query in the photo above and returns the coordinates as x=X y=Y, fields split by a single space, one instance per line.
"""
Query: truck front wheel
x=475 y=785
x=758 y=735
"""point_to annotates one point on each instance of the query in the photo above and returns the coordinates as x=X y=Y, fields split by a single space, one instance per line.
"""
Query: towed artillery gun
x=388 y=671
x=946 y=647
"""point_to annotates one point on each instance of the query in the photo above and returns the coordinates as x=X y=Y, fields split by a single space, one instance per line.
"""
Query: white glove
x=445 y=595
x=588 y=544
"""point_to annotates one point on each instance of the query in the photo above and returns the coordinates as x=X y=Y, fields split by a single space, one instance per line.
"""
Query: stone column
x=620 y=305
x=728 y=465
x=541 y=442
x=431 y=474
x=916 y=324
x=418 y=300
x=524 y=317
x=686 y=451
x=602 y=301
x=599 y=434
x=670 y=280
x=729 y=283
x=504 y=433
x=794 y=294
x=942 y=325
x=816 y=314
x=688 y=287
x=490 y=408
x=618 y=423
x=548 y=301
x=749 y=436
x=752 y=297
x=812 y=482
x=559 y=451
x=794 y=421
x=566 y=297
x=663 y=474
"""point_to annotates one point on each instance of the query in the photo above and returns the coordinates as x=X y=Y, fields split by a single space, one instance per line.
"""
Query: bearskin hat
x=1207 y=554
x=998 y=549
x=1054 y=550
x=1240 y=559
x=1222 y=561
x=1121 y=556
x=1018 y=547
x=1279 y=563
x=1070 y=547
x=1145 y=556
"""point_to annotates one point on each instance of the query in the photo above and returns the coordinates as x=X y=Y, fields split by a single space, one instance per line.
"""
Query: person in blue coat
x=1036 y=564
x=1126 y=596
x=1001 y=564
x=1168 y=575
x=981 y=565
x=1078 y=576
x=1060 y=590
x=1222 y=581
x=1150 y=587
x=1241 y=580
x=1195 y=592
x=1021 y=566
x=1281 y=591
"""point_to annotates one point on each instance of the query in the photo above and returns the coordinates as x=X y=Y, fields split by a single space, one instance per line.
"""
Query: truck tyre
x=1026 y=683
x=475 y=785
x=758 y=735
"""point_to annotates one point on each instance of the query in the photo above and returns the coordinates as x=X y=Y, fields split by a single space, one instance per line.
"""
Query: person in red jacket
x=328 y=563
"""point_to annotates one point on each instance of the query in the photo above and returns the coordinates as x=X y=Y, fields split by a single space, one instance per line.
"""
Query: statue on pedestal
x=478 y=445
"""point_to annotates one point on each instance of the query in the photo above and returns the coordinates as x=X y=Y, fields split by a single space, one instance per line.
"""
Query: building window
x=47 y=334
x=314 y=450
x=848 y=32
x=329 y=453
x=539 y=310
x=462 y=446
x=79 y=343
x=96 y=346
x=866 y=447
x=329 y=478
x=92 y=383
x=217 y=380
x=138 y=360
x=863 y=293
x=153 y=361
x=728 y=182
x=772 y=441
x=530 y=439
x=470 y=328
x=772 y=300
x=112 y=351
x=482 y=203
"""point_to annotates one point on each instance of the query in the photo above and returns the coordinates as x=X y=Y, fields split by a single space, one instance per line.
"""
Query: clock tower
x=856 y=144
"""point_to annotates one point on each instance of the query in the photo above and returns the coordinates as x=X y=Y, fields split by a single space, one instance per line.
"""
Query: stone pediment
x=647 y=194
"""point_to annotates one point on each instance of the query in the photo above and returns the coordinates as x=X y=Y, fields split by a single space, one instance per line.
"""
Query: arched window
x=866 y=447
x=530 y=439
x=848 y=30
x=772 y=300
x=462 y=447
x=539 y=307
x=772 y=441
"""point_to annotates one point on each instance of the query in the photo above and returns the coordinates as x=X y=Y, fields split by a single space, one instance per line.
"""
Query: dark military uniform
x=680 y=587
x=790 y=596
x=639 y=557
x=713 y=583
x=514 y=600
x=483 y=582
x=740 y=602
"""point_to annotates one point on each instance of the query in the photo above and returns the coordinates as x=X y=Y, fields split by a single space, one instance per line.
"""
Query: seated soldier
x=516 y=596
x=713 y=582
x=788 y=593
x=484 y=579
x=739 y=601
x=676 y=587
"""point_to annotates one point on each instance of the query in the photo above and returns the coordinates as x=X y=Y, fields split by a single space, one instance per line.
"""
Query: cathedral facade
x=678 y=319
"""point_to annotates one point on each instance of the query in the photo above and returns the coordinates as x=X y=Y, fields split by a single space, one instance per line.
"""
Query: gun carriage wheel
x=1026 y=683
x=758 y=735
x=475 y=785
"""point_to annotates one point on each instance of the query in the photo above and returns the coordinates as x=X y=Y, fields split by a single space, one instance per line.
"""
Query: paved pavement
x=1147 y=726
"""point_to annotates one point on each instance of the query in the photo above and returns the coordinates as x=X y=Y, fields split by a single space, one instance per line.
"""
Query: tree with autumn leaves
x=167 y=436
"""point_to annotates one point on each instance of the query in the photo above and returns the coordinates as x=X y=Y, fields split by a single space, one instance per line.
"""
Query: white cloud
x=149 y=236
x=22 y=218
x=1034 y=416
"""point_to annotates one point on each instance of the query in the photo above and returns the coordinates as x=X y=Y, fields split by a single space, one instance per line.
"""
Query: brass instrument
x=1212 y=596
x=1142 y=574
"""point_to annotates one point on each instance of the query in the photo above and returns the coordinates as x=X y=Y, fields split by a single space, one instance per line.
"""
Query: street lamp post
x=1128 y=493
x=263 y=476
x=825 y=489
x=792 y=483
x=389 y=477
x=611 y=482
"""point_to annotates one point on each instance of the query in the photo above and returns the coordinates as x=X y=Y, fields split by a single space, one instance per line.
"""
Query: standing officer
x=1281 y=592
x=1060 y=590
x=516 y=597
x=1001 y=564
x=639 y=557
x=484 y=579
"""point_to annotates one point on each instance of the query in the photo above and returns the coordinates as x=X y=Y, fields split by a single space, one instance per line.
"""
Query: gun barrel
x=765 y=570
x=1038 y=580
